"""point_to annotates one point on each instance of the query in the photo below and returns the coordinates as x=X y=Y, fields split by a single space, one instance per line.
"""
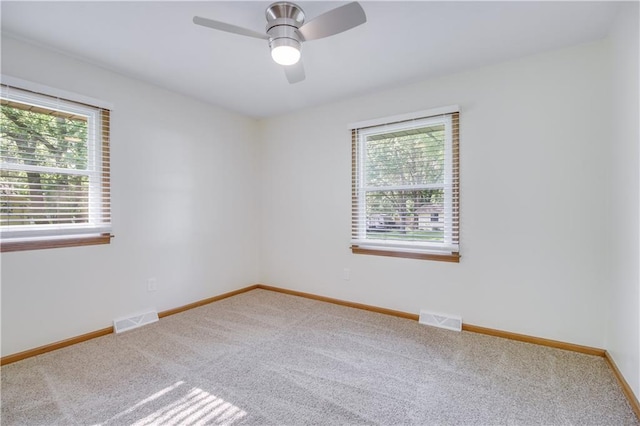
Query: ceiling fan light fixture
x=285 y=51
x=286 y=30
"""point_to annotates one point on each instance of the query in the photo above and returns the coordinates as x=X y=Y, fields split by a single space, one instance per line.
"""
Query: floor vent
x=450 y=322
x=129 y=323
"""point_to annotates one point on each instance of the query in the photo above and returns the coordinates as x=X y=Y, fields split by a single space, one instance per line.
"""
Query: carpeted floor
x=265 y=358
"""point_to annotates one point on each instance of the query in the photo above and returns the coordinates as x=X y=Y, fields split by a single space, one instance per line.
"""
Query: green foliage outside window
x=395 y=164
x=37 y=139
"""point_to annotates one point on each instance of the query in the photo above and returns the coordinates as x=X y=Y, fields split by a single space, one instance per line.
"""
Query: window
x=405 y=187
x=54 y=172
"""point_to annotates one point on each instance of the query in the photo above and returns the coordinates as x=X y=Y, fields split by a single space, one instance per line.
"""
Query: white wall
x=534 y=184
x=623 y=328
x=184 y=202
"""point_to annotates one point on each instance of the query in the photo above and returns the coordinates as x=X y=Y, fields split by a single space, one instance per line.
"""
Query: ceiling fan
x=286 y=30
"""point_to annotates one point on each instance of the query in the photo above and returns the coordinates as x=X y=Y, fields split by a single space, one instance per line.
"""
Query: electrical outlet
x=346 y=274
x=152 y=284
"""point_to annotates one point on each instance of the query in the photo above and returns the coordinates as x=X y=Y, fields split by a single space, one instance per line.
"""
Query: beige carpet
x=265 y=358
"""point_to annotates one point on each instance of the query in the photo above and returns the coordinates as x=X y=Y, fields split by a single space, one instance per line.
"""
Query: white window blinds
x=54 y=159
x=405 y=185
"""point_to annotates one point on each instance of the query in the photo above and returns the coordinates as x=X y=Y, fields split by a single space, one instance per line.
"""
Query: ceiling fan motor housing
x=283 y=21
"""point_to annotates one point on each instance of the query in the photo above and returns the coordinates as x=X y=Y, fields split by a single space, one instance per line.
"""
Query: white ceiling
x=401 y=42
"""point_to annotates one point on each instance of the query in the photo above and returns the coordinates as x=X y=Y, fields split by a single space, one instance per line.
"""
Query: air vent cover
x=124 y=324
x=450 y=322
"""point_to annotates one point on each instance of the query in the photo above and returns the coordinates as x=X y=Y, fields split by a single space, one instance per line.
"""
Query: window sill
x=55 y=243
x=453 y=257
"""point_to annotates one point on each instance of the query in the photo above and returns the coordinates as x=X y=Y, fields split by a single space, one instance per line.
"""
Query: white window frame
x=29 y=93
x=359 y=241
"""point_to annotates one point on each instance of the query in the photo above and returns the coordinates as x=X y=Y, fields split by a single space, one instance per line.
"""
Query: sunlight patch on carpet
x=172 y=406
x=148 y=400
x=196 y=407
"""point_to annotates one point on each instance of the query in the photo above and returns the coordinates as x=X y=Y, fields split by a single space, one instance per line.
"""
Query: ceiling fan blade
x=295 y=72
x=223 y=26
x=334 y=21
